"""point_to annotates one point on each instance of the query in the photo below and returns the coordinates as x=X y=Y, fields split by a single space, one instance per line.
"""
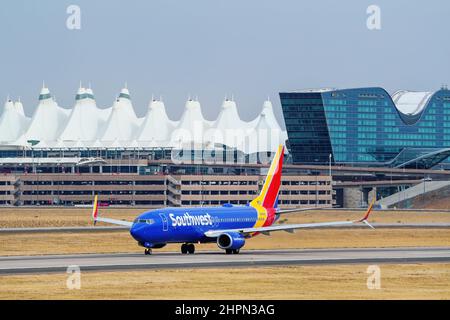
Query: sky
x=211 y=49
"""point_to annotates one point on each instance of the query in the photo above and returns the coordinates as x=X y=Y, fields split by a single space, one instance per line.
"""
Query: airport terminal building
x=379 y=144
x=63 y=156
x=368 y=127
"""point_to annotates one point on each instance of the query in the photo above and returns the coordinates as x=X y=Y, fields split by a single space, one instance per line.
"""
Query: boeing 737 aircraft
x=228 y=225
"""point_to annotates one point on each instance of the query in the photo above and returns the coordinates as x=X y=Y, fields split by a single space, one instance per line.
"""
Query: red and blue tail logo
x=268 y=198
x=267 y=201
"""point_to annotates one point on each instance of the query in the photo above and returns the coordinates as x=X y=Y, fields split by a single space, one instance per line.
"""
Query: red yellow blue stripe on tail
x=269 y=192
x=266 y=202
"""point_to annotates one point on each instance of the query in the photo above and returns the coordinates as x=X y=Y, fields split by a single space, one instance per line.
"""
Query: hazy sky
x=210 y=48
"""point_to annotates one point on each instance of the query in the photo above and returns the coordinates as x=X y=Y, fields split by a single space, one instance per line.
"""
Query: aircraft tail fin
x=268 y=198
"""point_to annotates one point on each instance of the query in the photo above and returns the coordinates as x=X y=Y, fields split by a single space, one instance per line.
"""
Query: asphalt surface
x=202 y=259
x=437 y=225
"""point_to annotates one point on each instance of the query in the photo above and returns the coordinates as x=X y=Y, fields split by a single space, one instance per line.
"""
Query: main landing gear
x=187 y=248
x=148 y=251
x=232 y=251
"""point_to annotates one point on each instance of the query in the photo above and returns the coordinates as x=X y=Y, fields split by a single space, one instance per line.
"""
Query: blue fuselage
x=171 y=225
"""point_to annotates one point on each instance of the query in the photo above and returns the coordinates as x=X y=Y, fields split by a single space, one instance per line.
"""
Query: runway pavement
x=247 y=258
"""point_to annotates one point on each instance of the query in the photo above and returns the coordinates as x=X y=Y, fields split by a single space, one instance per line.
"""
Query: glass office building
x=368 y=126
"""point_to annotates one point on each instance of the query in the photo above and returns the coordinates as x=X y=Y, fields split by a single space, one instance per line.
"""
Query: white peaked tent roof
x=12 y=123
x=74 y=144
x=192 y=124
x=122 y=123
x=229 y=117
x=48 y=120
x=41 y=145
x=262 y=138
x=267 y=112
x=411 y=102
x=59 y=144
x=133 y=145
x=157 y=126
x=21 y=142
x=228 y=129
x=118 y=127
x=154 y=144
x=86 y=121
x=103 y=114
x=97 y=144
x=19 y=107
x=116 y=145
x=79 y=145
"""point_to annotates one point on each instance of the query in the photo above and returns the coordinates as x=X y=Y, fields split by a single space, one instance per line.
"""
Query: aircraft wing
x=301 y=209
x=96 y=217
x=291 y=227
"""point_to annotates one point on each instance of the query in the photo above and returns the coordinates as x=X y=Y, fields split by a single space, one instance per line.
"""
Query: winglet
x=366 y=216
x=95 y=209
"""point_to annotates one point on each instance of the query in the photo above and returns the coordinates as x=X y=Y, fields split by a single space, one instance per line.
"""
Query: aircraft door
x=164 y=221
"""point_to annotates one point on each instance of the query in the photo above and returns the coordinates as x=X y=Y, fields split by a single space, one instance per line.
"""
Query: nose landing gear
x=187 y=248
x=148 y=251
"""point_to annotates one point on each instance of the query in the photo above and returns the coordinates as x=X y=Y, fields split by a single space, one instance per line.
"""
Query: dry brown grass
x=121 y=241
x=405 y=281
x=66 y=217
x=418 y=281
x=58 y=217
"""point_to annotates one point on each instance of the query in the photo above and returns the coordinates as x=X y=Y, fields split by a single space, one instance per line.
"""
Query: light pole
x=330 y=167
x=424 y=181
x=316 y=190
x=331 y=179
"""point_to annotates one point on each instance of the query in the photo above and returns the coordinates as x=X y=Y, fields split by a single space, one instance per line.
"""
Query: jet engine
x=231 y=240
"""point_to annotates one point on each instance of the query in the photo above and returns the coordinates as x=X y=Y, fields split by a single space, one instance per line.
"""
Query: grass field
x=58 y=217
x=66 y=217
x=121 y=241
x=407 y=281
x=404 y=281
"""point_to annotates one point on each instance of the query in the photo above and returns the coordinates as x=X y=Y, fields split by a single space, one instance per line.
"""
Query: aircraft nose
x=137 y=231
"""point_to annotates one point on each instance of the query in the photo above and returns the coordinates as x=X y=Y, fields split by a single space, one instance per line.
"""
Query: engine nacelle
x=232 y=240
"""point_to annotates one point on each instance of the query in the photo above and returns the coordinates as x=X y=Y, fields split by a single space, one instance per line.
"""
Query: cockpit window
x=147 y=221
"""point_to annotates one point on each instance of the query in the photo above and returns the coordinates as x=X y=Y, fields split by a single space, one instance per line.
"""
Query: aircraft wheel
x=184 y=248
x=191 y=248
x=235 y=251
x=229 y=251
x=148 y=252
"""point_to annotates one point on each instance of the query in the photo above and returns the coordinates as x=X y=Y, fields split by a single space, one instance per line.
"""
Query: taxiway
x=203 y=259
